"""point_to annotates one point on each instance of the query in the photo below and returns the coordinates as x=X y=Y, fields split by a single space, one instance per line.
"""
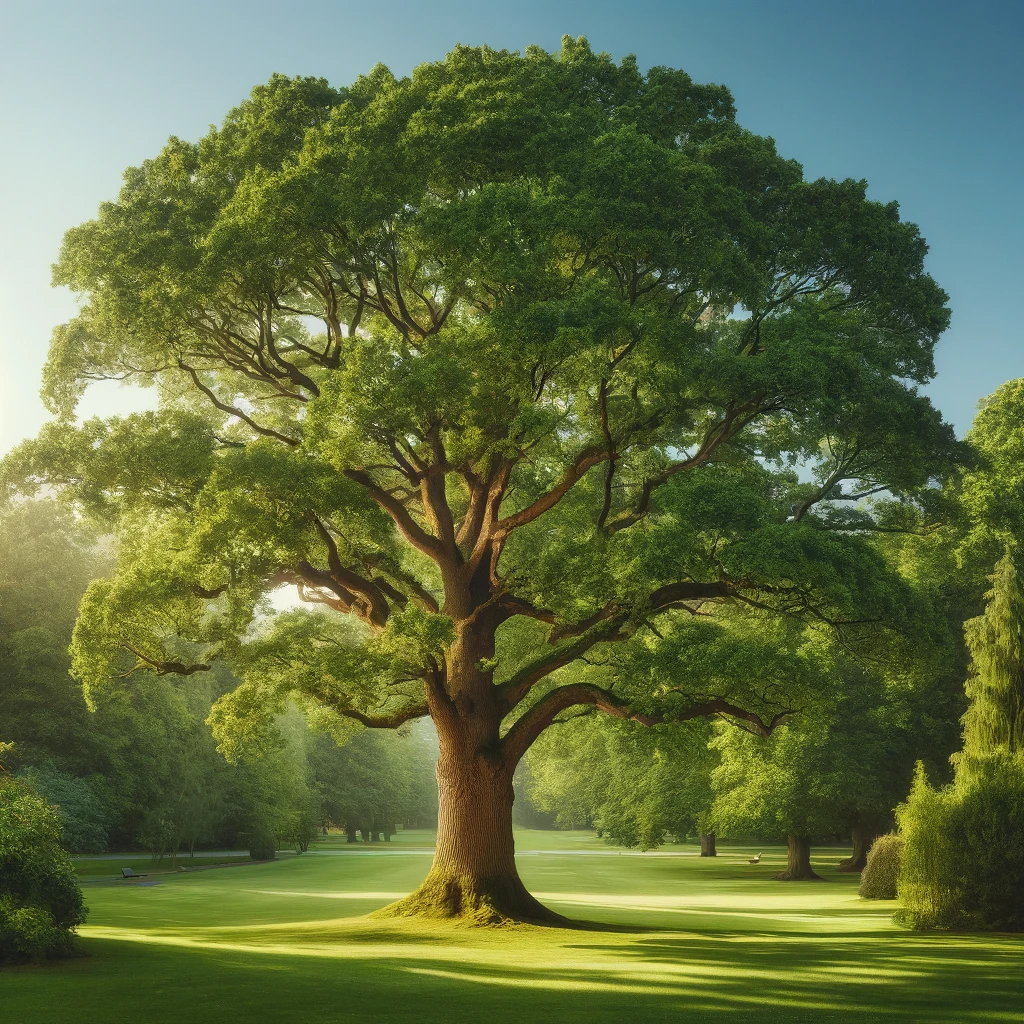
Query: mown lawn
x=684 y=938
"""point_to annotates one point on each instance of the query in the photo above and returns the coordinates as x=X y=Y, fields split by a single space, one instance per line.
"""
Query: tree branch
x=392 y=721
x=231 y=410
x=408 y=527
x=517 y=687
x=731 y=424
x=523 y=733
x=378 y=608
x=590 y=456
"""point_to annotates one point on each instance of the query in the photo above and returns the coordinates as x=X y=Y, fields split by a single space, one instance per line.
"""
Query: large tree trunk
x=861 y=839
x=707 y=845
x=798 y=868
x=474 y=874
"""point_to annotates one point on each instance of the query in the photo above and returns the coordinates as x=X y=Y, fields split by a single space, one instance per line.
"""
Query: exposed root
x=490 y=902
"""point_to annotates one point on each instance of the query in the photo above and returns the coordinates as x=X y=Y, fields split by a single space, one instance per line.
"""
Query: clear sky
x=924 y=99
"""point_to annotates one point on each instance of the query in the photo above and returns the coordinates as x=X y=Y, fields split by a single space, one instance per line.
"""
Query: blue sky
x=924 y=100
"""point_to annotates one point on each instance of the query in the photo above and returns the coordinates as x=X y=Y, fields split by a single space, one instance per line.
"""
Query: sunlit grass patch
x=660 y=937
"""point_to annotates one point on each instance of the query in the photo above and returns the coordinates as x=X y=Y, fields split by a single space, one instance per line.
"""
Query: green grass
x=698 y=940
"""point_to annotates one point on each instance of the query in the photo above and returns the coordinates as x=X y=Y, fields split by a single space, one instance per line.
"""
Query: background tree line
x=140 y=768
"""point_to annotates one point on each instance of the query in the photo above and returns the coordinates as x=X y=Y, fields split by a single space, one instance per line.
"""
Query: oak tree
x=500 y=367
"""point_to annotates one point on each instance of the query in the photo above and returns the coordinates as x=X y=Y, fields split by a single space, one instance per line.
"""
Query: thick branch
x=408 y=527
x=378 y=607
x=515 y=689
x=163 y=668
x=392 y=721
x=587 y=458
x=523 y=733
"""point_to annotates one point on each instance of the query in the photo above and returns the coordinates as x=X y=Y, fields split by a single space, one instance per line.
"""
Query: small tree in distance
x=502 y=369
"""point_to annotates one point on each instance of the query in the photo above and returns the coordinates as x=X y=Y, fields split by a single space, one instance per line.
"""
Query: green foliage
x=143 y=769
x=995 y=686
x=963 y=862
x=844 y=765
x=83 y=814
x=40 y=901
x=988 y=492
x=376 y=780
x=634 y=785
x=522 y=270
x=880 y=875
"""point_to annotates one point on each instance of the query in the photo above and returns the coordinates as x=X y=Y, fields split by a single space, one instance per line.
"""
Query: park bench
x=128 y=873
x=755 y=860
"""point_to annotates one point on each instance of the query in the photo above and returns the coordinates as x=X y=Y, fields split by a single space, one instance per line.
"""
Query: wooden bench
x=128 y=873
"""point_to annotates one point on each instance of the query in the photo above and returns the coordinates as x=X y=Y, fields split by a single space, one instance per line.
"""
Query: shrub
x=262 y=843
x=878 y=879
x=963 y=859
x=40 y=901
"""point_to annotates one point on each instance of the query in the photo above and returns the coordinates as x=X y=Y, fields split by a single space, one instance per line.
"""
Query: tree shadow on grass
x=429 y=976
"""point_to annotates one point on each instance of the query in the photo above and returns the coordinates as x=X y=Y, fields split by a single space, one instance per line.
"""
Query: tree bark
x=798 y=868
x=473 y=876
x=474 y=873
x=861 y=839
x=707 y=845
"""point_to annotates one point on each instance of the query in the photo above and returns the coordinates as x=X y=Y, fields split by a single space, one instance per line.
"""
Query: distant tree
x=373 y=782
x=995 y=687
x=775 y=790
x=82 y=813
x=47 y=559
x=838 y=772
x=635 y=786
x=574 y=328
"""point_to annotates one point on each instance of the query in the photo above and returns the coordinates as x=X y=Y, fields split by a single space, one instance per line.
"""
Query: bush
x=963 y=858
x=262 y=844
x=878 y=879
x=40 y=901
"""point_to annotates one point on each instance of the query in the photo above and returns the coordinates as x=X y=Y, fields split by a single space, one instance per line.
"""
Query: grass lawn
x=687 y=939
x=107 y=868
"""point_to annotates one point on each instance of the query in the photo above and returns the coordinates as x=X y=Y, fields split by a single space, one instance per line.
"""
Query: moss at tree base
x=489 y=902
